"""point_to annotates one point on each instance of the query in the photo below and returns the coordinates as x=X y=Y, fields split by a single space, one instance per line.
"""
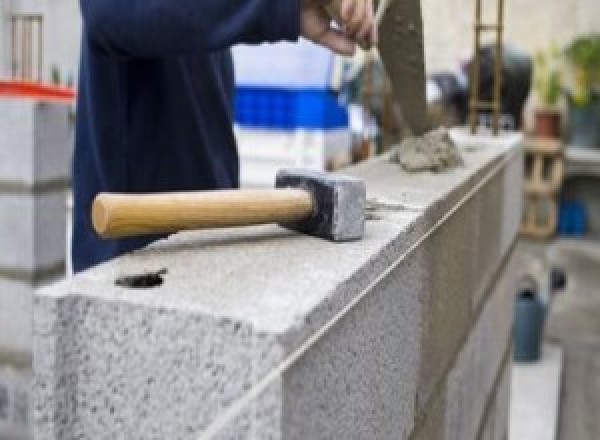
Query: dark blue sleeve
x=153 y=28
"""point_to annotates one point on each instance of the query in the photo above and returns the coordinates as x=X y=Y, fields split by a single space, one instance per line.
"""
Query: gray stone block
x=359 y=380
x=15 y=417
x=15 y=320
x=433 y=426
x=330 y=336
x=450 y=264
x=502 y=404
x=470 y=382
x=37 y=226
x=35 y=142
x=115 y=366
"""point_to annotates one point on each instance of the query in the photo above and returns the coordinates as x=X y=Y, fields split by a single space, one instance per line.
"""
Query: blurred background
x=299 y=105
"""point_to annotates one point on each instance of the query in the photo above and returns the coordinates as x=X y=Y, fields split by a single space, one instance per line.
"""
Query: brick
x=37 y=226
x=35 y=142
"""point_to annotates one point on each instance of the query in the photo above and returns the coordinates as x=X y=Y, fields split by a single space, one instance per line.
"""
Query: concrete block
x=15 y=422
x=108 y=369
x=450 y=263
x=261 y=418
x=502 y=404
x=359 y=380
x=433 y=427
x=15 y=320
x=37 y=228
x=35 y=142
x=333 y=333
x=470 y=383
x=513 y=201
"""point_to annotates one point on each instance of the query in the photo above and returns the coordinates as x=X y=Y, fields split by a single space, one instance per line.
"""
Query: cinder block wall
x=34 y=168
x=263 y=333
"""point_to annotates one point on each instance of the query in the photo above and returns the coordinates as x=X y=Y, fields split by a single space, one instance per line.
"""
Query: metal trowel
x=402 y=52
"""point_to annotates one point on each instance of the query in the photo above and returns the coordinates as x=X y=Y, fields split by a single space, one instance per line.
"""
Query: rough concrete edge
x=440 y=386
x=296 y=347
x=396 y=249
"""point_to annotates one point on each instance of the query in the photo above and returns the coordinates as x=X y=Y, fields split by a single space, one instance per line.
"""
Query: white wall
x=62 y=29
x=530 y=25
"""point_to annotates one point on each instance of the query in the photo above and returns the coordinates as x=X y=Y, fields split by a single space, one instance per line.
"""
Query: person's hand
x=356 y=18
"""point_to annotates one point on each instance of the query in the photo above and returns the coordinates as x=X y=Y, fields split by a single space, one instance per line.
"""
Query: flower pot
x=548 y=124
x=584 y=125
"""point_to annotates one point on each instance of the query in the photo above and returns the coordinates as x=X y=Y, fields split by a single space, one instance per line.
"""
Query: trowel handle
x=333 y=8
x=127 y=215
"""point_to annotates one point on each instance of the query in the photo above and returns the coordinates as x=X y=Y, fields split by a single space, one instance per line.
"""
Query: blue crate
x=572 y=219
x=288 y=109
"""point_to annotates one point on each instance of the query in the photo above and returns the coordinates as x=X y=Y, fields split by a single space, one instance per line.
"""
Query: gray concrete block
x=343 y=321
x=261 y=419
x=37 y=226
x=502 y=404
x=433 y=427
x=359 y=380
x=450 y=263
x=15 y=320
x=109 y=369
x=15 y=417
x=500 y=207
x=35 y=141
x=470 y=382
x=513 y=201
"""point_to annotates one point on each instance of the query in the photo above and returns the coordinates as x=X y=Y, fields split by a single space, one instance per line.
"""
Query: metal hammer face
x=339 y=204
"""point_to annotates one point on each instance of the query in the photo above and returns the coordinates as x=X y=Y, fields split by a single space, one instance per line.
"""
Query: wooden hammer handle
x=126 y=215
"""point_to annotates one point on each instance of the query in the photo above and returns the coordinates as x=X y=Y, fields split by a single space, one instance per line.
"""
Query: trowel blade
x=402 y=52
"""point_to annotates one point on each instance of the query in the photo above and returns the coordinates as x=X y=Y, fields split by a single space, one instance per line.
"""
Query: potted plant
x=583 y=90
x=548 y=86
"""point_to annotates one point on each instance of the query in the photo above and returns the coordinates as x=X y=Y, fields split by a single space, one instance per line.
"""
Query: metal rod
x=23 y=49
x=13 y=46
x=40 y=28
x=475 y=68
x=498 y=73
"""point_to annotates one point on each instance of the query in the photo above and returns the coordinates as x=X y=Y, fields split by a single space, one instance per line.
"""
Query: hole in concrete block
x=144 y=281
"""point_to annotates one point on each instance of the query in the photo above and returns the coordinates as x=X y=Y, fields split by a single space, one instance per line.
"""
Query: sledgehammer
x=324 y=205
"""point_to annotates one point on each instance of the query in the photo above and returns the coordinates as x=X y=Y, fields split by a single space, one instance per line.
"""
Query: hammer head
x=339 y=203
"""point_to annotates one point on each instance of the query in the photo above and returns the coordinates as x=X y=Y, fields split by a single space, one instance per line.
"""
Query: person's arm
x=149 y=28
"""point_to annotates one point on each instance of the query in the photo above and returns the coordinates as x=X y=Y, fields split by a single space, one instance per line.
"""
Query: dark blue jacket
x=155 y=100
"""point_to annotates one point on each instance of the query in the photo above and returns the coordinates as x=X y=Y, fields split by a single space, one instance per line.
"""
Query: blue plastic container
x=288 y=109
x=529 y=316
x=572 y=219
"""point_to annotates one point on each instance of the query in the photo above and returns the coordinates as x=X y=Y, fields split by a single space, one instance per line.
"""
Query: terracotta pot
x=548 y=124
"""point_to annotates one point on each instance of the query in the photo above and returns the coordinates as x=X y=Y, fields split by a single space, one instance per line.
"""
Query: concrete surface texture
x=263 y=333
x=35 y=146
x=574 y=323
x=536 y=390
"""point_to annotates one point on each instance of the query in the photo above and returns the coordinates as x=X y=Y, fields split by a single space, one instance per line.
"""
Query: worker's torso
x=148 y=125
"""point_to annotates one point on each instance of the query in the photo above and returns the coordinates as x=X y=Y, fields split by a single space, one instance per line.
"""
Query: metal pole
x=475 y=68
x=40 y=28
x=498 y=68
x=13 y=46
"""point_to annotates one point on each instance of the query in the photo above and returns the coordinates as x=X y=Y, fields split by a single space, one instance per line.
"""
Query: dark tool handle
x=126 y=215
